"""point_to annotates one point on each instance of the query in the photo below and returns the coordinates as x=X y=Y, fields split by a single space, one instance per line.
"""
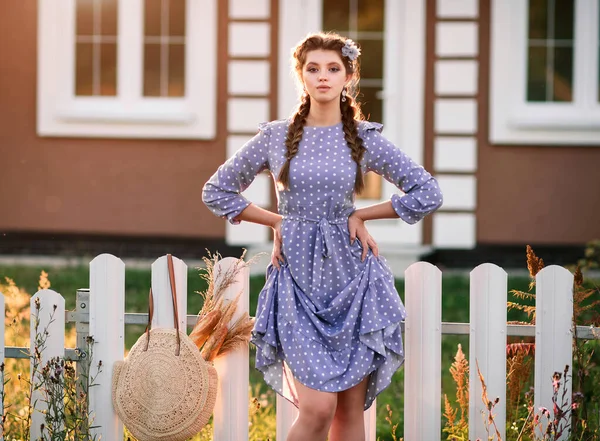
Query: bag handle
x=175 y=312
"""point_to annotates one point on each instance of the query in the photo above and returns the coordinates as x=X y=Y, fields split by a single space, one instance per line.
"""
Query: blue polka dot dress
x=326 y=317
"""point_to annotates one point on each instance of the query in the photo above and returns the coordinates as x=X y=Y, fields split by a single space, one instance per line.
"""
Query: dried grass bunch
x=213 y=333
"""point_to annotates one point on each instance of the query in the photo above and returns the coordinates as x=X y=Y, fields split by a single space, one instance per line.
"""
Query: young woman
x=327 y=328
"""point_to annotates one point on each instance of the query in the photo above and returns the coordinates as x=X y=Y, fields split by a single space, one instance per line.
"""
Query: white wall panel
x=459 y=192
x=244 y=114
x=456 y=39
x=249 y=77
x=456 y=116
x=457 y=8
x=249 y=39
x=247 y=233
x=249 y=9
x=454 y=230
x=456 y=77
x=455 y=154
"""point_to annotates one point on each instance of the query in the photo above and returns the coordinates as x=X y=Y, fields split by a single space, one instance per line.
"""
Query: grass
x=455 y=308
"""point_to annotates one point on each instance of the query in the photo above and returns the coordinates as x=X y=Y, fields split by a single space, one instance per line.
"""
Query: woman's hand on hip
x=358 y=229
x=276 y=255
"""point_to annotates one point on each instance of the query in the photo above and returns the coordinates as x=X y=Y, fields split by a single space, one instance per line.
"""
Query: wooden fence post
x=553 y=337
x=49 y=317
x=231 y=408
x=487 y=348
x=106 y=328
x=423 y=351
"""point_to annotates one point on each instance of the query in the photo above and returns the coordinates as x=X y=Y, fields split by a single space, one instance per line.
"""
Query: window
x=118 y=68
x=362 y=21
x=164 y=48
x=96 y=48
x=545 y=72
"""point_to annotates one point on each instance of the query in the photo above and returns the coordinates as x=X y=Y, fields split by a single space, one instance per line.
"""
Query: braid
x=292 y=141
x=354 y=141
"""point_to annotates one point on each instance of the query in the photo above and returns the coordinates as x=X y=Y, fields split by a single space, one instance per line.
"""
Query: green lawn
x=455 y=308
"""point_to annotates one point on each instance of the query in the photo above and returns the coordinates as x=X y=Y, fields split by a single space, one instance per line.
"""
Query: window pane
x=164 y=52
x=84 y=17
x=372 y=187
x=96 y=47
x=538 y=19
x=336 y=15
x=371 y=59
x=371 y=104
x=84 y=69
x=108 y=21
x=563 y=19
x=177 y=70
x=177 y=18
x=152 y=17
x=550 y=55
x=536 y=74
x=370 y=15
x=152 y=70
x=108 y=69
x=563 y=74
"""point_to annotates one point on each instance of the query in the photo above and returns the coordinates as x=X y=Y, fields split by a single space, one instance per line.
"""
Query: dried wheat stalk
x=213 y=333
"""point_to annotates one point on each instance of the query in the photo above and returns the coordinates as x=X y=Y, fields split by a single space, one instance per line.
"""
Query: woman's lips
x=323 y=88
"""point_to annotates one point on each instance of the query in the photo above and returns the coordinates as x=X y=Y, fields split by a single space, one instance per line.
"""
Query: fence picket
x=231 y=409
x=553 y=335
x=50 y=318
x=286 y=415
x=422 y=395
x=370 y=417
x=161 y=289
x=106 y=306
x=487 y=348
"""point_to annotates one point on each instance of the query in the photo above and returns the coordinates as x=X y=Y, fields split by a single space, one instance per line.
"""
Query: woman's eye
x=312 y=69
x=335 y=69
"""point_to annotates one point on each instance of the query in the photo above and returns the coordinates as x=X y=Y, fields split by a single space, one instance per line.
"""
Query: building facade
x=115 y=113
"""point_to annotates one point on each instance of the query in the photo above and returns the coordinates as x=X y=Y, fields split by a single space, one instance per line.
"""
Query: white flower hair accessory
x=350 y=50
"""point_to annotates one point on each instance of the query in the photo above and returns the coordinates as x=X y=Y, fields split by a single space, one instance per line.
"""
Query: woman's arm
x=383 y=210
x=254 y=213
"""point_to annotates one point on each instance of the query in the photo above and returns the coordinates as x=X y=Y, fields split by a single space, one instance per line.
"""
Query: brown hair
x=351 y=112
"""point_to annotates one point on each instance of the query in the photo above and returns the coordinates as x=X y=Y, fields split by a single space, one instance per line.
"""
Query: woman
x=327 y=328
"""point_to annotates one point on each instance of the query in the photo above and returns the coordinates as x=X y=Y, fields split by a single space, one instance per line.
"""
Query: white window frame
x=513 y=120
x=129 y=114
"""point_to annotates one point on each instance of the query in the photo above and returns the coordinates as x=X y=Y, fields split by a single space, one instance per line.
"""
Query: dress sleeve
x=422 y=194
x=222 y=192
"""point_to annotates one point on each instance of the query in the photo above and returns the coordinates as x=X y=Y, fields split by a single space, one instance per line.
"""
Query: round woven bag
x=161 y=396
x=164 y=390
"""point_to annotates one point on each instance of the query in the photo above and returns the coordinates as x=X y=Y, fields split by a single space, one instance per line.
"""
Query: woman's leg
x=316 y=410
x=348 y=423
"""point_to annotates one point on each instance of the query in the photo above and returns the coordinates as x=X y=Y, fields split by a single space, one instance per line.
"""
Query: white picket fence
x=487 y=330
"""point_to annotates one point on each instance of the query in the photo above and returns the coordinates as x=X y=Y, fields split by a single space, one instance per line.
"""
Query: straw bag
x=164 y=390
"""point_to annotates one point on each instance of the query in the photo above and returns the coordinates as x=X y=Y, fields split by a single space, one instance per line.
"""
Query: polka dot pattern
x=326 y=317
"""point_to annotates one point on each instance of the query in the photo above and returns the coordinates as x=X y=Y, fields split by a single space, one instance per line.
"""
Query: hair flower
x=350 y=50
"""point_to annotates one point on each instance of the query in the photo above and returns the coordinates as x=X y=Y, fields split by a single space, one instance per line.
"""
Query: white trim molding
x=513 y=120
x=128 y=114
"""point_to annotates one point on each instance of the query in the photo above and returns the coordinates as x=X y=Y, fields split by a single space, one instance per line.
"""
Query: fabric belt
x=323 y=244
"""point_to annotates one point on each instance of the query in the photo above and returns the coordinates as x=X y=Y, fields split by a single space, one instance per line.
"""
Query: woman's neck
x=327 y=114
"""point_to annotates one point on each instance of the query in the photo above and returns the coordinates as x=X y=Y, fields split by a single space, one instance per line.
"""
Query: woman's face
x=324 y=75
